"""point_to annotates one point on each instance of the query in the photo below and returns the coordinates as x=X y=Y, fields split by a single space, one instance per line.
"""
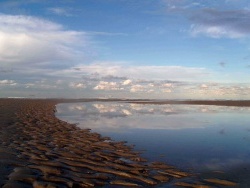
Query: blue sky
x=166 y=49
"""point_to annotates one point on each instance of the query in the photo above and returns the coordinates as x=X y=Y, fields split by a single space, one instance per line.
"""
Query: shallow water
x=197 y=138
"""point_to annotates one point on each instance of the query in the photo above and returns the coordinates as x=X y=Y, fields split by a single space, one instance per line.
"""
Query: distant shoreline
x=239 y=103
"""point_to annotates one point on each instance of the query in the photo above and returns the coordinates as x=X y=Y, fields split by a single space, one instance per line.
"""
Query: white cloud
x=76 y=107
x=29 y=85
x=150 y=81
x=137 y=88
x=126 y=112
x=127 y=82
x=150 y=91
x=102 y=85
x=204 y=86
x=105 y=108
x=151 y=85
x=167 y=85
x=77 y=85
x=215 y=31
x=166 y=91
x=48 y=84
x=219 y=90
x=59 y=11
x=30 y=40
x=8 y=82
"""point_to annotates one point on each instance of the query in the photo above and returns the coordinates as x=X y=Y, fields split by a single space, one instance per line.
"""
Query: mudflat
x=39 y=150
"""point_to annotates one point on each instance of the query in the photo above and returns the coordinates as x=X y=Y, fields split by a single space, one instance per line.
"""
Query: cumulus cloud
x=127 y=82
x=124 y=79
x=221 y=23
x=221 y=90
x=167 y=85
x=95 y=77
x=166 y=90
x=102 y=85
x=77 y=85
x=29 y=85
x=8 y=82
x=204 y=86
x=31 y=40
x=137 y=88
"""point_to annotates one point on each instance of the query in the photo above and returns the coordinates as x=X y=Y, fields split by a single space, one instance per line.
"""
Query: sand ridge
x=39 y=150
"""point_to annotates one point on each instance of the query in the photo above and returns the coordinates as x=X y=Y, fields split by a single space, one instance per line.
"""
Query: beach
x=39 y=150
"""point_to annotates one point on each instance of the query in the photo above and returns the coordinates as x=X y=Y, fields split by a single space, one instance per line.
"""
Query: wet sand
x=39 y=150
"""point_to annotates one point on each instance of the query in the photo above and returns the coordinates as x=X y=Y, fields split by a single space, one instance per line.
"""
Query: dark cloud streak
x=222 y=64
x=227 y=23
x=3 y=70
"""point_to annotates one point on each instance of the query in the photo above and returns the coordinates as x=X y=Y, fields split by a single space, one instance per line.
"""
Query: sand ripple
x=38 y=150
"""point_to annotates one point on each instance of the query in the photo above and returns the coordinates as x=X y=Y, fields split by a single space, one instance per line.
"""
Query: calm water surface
x=192 y=137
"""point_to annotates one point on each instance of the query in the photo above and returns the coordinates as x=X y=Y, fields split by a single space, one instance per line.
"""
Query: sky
x=154 y=49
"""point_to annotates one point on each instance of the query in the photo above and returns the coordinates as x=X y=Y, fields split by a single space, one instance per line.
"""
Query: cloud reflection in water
x=218 y=135
x=102 y=116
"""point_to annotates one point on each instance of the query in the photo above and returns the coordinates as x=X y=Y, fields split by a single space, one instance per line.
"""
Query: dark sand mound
x=39 y=150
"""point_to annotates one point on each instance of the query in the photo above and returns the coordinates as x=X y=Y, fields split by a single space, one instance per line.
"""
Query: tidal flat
x=39 y=150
